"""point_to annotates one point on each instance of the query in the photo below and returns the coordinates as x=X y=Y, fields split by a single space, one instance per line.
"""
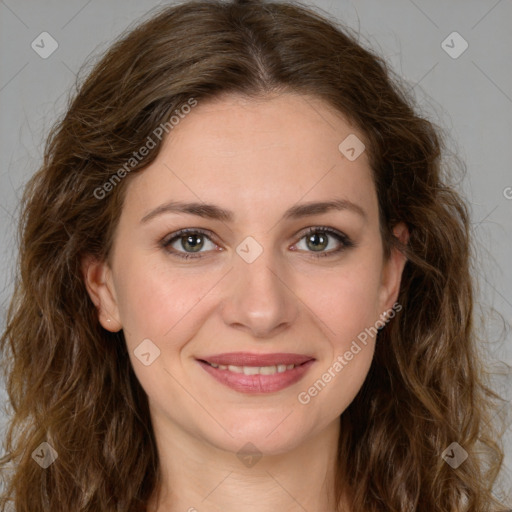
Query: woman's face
x=256 y=281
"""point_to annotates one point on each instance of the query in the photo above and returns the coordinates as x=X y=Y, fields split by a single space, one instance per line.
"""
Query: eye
x=188 y=243
x=317 y=239
x=187 y=239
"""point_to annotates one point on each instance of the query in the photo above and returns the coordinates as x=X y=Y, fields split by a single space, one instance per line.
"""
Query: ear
x=97 y=276
x=392 y=270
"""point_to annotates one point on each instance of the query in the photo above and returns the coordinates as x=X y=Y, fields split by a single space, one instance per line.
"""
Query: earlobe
x=97 y=277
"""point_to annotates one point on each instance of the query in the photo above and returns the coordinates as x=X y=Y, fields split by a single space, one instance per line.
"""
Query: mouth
x=254 y=370
x=257 y=378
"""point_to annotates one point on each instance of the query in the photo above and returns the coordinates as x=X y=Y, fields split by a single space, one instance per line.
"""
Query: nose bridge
x=260 y=300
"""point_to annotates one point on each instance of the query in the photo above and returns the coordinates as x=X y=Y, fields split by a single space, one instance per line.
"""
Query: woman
x=244 y=284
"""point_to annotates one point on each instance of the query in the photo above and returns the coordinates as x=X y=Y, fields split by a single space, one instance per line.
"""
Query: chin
x=264 y=438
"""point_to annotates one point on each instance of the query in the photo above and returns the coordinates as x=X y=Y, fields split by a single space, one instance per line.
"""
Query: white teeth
x=254 y=370
x=250 y=370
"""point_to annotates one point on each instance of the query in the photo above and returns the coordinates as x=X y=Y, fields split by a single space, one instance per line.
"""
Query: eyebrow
x=211 y=211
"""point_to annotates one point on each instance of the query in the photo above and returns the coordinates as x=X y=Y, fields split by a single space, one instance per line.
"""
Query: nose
x=260 y=298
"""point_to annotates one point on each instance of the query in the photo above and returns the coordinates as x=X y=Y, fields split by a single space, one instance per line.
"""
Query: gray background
x=470 y=97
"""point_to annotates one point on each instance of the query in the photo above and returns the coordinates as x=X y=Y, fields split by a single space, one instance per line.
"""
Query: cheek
x=345 y=306
x=345 y=376
x=152 y=300
x=346 y=299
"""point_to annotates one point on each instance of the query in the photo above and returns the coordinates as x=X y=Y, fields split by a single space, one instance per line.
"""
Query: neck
x=196 y=476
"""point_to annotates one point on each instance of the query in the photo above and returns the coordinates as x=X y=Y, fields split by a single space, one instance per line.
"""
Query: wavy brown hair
x=70 y=382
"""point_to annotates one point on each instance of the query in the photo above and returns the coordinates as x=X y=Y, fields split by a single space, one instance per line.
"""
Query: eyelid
x=323 y=229
x=184 y=231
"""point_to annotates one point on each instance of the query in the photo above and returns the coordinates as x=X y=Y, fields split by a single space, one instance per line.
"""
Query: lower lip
x=258 y=383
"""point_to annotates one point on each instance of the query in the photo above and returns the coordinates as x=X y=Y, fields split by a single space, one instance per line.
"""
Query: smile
x=257 y=379
x=254 y=370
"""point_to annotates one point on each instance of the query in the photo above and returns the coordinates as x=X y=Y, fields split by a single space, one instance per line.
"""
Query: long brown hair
x=70 y=382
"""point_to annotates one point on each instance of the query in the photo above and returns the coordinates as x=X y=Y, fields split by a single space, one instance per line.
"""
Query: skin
x=256 y=158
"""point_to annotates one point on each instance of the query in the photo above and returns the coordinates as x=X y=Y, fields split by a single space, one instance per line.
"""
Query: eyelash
x=346 y=242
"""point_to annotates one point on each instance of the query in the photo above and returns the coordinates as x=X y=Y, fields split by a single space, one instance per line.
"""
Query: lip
x=253 y=384
x=251 y=359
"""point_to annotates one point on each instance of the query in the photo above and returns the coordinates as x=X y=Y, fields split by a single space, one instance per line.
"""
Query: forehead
x=256 y=155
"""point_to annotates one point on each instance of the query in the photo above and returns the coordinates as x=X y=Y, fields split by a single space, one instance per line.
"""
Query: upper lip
x=249 y=359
